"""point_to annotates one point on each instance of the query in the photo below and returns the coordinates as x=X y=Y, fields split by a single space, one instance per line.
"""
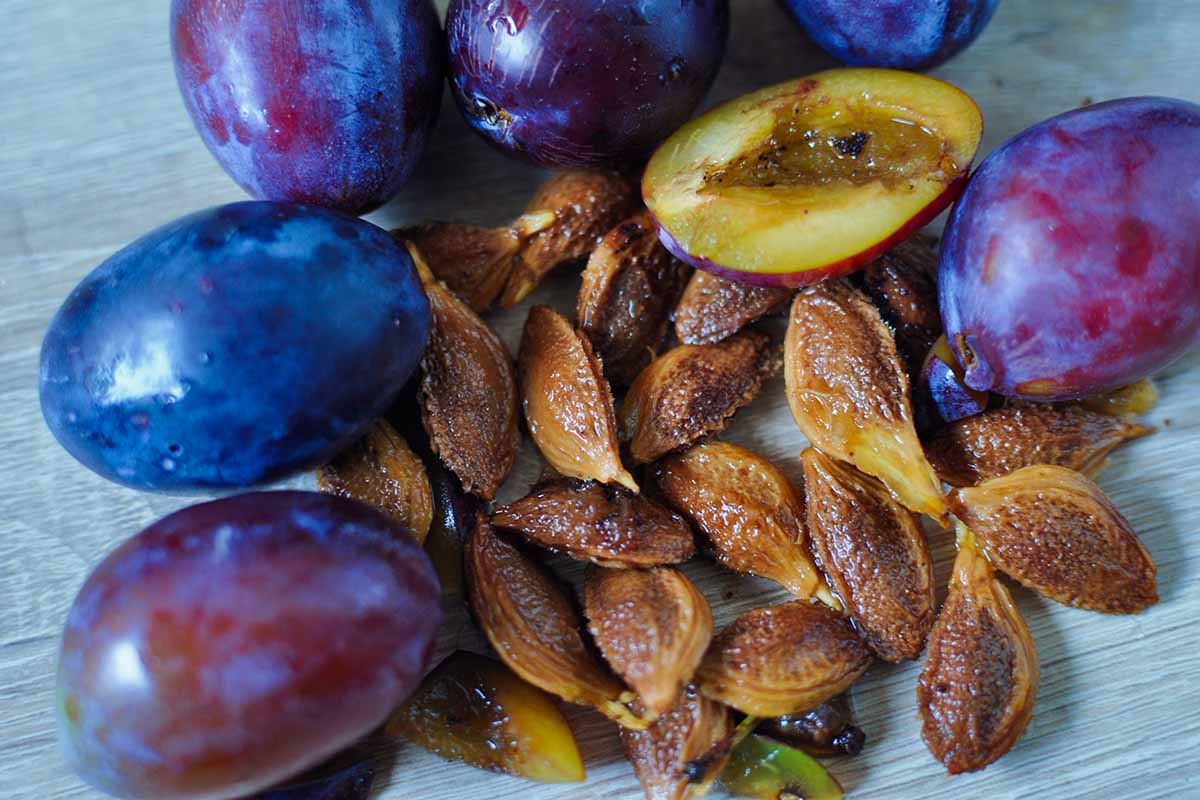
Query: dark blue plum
x=1071 y=263
x=901 y=34
x=233 y=346
x=580 y=83
x=235 y=643
x=325 y=102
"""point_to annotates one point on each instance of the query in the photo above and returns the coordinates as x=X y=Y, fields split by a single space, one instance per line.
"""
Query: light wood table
x=95 y=149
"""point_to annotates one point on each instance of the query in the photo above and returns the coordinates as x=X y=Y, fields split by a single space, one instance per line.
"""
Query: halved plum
x=812 y=178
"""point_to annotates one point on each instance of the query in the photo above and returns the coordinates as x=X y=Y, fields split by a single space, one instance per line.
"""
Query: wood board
x=97 y=149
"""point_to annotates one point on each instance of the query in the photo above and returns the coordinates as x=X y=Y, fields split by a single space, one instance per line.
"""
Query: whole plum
x=1071 y=263
x=323 y=102
x=235 y=643
x=901 y=34
x=576 y=83
x=232 y=346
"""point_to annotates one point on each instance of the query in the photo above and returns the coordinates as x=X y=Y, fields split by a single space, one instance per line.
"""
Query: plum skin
x=232 y=347
x=575 y=83
x=323 y=102
x=236 y=642
x=1070 y=265
x=940 y=396
x=795 y=280
x=901 y=34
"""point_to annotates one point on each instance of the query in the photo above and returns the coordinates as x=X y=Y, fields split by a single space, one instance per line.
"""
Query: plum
x=232 y=347
x=1071 y=264
x=576 y=83
x=940 y=394
x=902 y=34
x=323 y=102
x=811 y=178
x=237 y=642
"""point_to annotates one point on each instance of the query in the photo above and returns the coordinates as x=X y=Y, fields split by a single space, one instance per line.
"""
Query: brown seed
x=783 y=659
x=693 y=391
x=607 y=525
x=472 y=261
x=903 y=285
x=713 y=308
x=629 y=287
x=677 y=757
x=533 y=627
x=976 y=690
x=652 y=626
x=586 y=206
x=381 y=470
x=468 y=392
x=1052 y=529
x=1001 y=440
x=747 y=509
x=568 y=403
x=849 y=394
x=874 y=554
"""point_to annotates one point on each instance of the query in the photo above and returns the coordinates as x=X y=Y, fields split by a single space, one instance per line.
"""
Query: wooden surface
x=96 y=149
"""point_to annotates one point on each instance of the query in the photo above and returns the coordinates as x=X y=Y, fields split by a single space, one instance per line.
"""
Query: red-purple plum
x=324 y=102
x=238 y=642
x=579 y=83
x=1071 y=263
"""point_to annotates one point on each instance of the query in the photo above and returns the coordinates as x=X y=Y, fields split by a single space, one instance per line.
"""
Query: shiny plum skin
x=232 y=347
x=235 y=643
x=323 y=102
x=1071 y=264
x=577 y=83
x=940 y=397
x=901 y=34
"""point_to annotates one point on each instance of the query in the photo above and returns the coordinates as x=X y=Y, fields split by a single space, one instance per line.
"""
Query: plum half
x=812 y=178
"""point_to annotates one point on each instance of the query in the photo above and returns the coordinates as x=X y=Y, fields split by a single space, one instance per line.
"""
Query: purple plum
x=232 y=347
x=577 y=83
x=1071 y=264
x=236 y=643
x=901 y=34
x=940 y=394
x=325 y=102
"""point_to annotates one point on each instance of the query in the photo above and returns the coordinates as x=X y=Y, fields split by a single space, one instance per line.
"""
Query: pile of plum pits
x=970 y=387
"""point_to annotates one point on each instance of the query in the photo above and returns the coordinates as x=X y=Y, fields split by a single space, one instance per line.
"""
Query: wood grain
x=97 y=149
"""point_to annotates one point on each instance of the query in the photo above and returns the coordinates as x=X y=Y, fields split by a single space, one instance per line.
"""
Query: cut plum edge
x=936 y=105
x=796 y=280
